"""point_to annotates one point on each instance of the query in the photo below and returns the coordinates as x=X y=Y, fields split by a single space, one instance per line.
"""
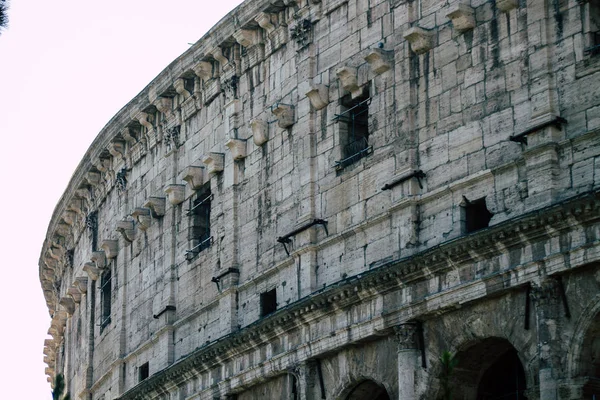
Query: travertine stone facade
x=321 y=197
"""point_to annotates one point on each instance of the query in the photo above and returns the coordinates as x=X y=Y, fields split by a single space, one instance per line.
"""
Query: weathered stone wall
x=494 y=101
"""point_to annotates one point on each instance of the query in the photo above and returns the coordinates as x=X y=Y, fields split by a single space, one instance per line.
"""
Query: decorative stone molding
x=264 y=21
x=379 y=60
x=175 y=193
x=194 y=176
x=462 y=17
x=318 y=96
x=126 y=229
x=99 y=259
x=407 y=336
x=110 y=247
x=246 y=37
x=142 y=118
x=349 y=80
x=81 y=282
x=204 y=70
x=420 y=39
x=68 y=304
x=237 y=148
x=284 y=114
x=260 y=131
x=215 y=162
x=507 y=5
x=91 y=270
x=117 y=149
x=75 y=294
x=142 y=216
x=179 y=85
x=157 y=206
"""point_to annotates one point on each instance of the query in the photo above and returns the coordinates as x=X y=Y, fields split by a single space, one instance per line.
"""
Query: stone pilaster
x=407 y=338
x=307 y=385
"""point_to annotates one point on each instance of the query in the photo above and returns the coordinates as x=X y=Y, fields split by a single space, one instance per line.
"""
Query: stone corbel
x=110 y=247
x=264 y=21
x=179 y=86
x=284 y=114
x=91 y=270
x=204 y=70
x=68 y=304
x=420 y=39
x=77 y=206
x=129 y=136
x=142 y=117
x=217 y=54
x=318 y=96
x=64 y=230
x=99 y=259
x=69 y=217
x=75 y=294
x=56 y=252
x=164 y=105
x=175 y=193
x=237 y=148
x=117 y=149
x=462 y=17
x=194 y=176
x=507 y=5
x=142 y=216
x=215 y=162
x=260 y=131
x=157 y=206
x=93 y=178
x=85 y=194
x=246 y=37
x=379 y=60
x=126 y=229
x=81 y=283
x=50 y=261
x=348 y=77
x=102 y=164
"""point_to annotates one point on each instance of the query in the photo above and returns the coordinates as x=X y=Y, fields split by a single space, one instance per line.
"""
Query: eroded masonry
x=320 y=198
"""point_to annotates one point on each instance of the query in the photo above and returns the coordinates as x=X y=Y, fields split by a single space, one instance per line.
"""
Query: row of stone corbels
x=463 y=20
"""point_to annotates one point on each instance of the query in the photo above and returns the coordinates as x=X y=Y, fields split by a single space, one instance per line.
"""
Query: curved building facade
x=320 y=199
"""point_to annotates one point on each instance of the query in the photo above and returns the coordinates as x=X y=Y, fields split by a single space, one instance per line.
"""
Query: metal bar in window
x=338 y=116
x=196 y=248
x=204 y=200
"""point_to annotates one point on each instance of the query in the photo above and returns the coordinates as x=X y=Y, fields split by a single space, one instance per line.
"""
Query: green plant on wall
x=59 y=389
x=448 y=362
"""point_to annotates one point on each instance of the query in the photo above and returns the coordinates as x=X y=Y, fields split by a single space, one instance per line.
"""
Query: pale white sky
x=66 y=67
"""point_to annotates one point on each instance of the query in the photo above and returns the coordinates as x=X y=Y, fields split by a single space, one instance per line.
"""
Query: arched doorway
x=590 y=360
x=368 y=390
x=489 y=370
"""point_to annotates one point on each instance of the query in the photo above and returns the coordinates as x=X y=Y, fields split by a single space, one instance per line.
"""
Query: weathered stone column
x=407 y=336
x=546 y=297
x=308 y=384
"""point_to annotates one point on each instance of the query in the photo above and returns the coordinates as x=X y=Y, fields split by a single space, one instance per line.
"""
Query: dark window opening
x=144 y=371
x=199 y=212
x=268 y=302
x=476 y=215
x=188 y=84
x=354 y=128
x=105 y=298
x=592 y=26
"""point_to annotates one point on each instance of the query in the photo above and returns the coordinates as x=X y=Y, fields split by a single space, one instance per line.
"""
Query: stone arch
x=487 y=369
x=364 y=389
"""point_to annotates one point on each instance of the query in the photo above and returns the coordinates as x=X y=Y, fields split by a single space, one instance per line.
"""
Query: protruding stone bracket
x=99 y=259
x=143 y=216
x=420 y=39
x=81 y=282
x=260 y=131
x=246 y=37
x=462 y=17
x=379 y=60
x=67 y=304
x=142 y=118
x=204 y=70
x=91 y=270
x=284 y=114
x=194 y=176
x=110 y=247
x=164 y=105
x=126 y=229
x=348 y=77
x=93 y=178
x=507 y=5
x=318 y=96
x=69 y=217
x=129 y=136
x=77 y=206
x=117 y=149
x=264 y=21
x=237 y=147
x=75 y=294
x=85 y=194
x=157 y=206
x=179 y=85
x=56 y=252
x=215 y=162
x=175 y=193
x=217 y=54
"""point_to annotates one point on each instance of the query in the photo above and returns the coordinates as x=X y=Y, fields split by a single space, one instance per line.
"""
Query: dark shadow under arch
x=368 y=390
x=590 y=360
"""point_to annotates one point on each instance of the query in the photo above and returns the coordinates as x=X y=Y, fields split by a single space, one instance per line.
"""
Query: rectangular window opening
x=144 y=371
x=199 y=213
x=476 y=215
x=268 y=302
x=354 y=128
x=105 y=298
x=592 y=26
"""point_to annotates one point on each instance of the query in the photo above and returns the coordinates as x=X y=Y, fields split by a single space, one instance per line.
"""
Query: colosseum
x=343 y=200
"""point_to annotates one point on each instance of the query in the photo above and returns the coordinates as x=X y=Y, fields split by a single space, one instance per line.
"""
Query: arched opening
x=368 y=390
x=590 y=360
x=489 y=370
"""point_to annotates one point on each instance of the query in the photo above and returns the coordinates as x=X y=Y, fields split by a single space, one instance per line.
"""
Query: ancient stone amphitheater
x=321 y=199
